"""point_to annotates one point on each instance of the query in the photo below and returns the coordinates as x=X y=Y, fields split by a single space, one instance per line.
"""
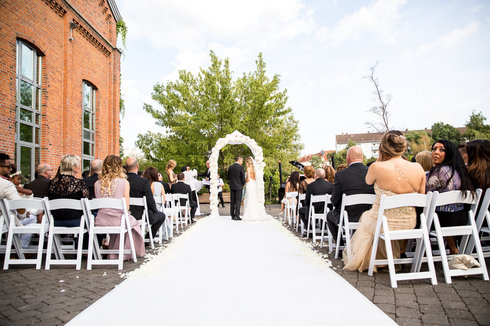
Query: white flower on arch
x=235 y=138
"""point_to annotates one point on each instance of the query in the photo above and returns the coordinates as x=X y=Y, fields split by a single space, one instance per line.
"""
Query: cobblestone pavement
x=29 y=296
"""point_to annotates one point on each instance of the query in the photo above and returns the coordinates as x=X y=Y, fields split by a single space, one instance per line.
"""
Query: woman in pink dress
x=113 y=184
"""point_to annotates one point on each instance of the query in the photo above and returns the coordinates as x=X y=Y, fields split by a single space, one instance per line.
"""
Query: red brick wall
x=65 y=65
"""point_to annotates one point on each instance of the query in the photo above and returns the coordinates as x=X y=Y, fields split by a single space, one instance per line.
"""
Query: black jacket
x=90 y=182
x=139 y=187
x=351 y=181
x=236 y=177
x=39 y=187
x=183 y=188
x=318 y=187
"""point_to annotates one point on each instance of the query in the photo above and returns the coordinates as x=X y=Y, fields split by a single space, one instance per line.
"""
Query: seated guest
x=95 y=169
x=319 y=187
x=329 y=173
x=292 y=185
x=40 y=185
x=449 y=173
x=67 y=185
x=424 y=158
x=309 y=172
x=112 y=183
x=464 y=153
x=182 y=188
x=151 y=174
x=350 y=181
x=140 y=187
x=479 y=163
x=341 y=167
x=391 y=175
x=166 y=187
x=16 y=179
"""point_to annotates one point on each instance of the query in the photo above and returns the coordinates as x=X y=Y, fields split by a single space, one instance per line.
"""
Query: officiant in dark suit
x=236 y=177
x=206 y=174
x=350 y=181
x=180 y=187
x=318 y=187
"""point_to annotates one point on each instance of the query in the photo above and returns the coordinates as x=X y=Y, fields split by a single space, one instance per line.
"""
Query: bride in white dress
x=254 y=210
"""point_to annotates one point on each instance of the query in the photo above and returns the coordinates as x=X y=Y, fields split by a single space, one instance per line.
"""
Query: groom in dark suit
x=236 y=176
x=350 y=181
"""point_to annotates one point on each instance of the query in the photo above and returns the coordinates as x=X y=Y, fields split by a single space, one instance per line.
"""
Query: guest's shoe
x=238 y=219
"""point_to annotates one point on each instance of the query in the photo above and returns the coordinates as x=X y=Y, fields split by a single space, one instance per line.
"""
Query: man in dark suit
x=40 y=185
x=350 y=181
x=183 y=188
x=139 y=187
x=95 y=170
x=318 y=187
x=206 y=174
x=236 y=177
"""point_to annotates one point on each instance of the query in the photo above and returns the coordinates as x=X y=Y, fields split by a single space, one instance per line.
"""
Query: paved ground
x=28 y=296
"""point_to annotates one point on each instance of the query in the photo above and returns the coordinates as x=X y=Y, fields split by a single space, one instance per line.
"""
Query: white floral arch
x=235 y=138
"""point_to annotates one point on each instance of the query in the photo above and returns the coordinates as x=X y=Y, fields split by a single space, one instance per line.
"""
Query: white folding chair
x=314 y=216
x=14 y=231
x=170 y=217
x=122 y=229
x=165 y=230
x=145 y=218
x=483 y=231
x=290 y=207
x=56 y=231
x=346 y=227
x=183 y=210
x=421 y=234
x=301 y=198
x=466 y=231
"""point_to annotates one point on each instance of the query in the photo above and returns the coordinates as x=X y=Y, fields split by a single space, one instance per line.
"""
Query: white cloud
x=448 y=40
x=378 y=19
x=195 y=23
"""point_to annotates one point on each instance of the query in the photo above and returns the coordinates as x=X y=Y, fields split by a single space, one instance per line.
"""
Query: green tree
x=441 y=130
x=316 y=162
x=418 y=141
x=340 y=156
x=476 y=128
x=197 y=110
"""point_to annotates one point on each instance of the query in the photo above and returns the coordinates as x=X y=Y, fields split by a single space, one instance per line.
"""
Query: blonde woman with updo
x=112 y=183
x=391 y=175
x=254 y=209
x=172 y=177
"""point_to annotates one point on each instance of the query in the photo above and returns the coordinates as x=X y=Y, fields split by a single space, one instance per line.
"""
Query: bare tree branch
x=383 y=100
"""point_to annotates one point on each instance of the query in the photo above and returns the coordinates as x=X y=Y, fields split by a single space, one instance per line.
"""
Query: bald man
x=350 y=181
x=40 y=186
x=95 y=170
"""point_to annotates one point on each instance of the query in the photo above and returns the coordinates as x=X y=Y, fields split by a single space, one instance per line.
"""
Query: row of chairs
x=430 y=233
x=177 y=216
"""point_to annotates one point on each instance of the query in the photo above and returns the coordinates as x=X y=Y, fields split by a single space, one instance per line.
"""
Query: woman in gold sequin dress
x=391 y=175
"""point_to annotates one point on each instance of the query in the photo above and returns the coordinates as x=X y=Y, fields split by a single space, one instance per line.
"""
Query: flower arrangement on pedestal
x=234 y=138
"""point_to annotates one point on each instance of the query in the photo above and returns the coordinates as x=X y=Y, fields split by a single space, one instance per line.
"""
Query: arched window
x=88 y=128
x=28 y=109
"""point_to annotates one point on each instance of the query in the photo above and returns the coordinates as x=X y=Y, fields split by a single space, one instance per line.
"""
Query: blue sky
x=434 y=57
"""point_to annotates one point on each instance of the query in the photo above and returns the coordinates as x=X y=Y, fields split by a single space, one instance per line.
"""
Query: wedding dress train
x=254 y=210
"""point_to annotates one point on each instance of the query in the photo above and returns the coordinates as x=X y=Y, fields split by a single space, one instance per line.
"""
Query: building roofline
x=115 y=11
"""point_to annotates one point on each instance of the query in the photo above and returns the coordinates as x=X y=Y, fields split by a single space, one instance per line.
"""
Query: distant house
x=369 y=142
x=306 y=159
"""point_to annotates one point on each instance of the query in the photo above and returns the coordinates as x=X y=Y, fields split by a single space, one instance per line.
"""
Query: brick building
x=59 y=80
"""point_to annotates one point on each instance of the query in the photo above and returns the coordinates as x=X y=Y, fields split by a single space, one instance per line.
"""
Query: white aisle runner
x=223 y=272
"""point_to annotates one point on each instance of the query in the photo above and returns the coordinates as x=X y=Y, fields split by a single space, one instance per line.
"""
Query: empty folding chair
x=183 y=209
x=383 y=232
x=466 y=231
x=122 y=229
x=54 y=241
x=346 y=227
x=16 y=229
x=145 y=218
x=483 y=231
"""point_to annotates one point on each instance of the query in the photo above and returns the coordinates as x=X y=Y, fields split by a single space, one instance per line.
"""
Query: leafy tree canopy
x=197 y=110
x=476 y=127
x=441 y=130
x=418 y=141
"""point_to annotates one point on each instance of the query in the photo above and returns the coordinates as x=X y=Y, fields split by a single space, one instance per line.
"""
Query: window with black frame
x=88 y=132
x=28 y=109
